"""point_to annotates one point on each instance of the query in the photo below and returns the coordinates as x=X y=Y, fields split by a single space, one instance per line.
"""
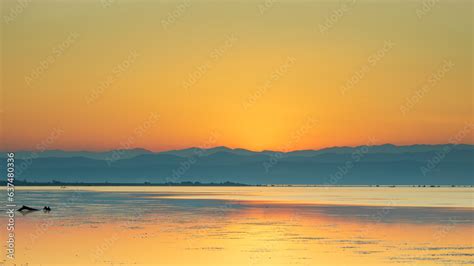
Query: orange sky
x=99 y=75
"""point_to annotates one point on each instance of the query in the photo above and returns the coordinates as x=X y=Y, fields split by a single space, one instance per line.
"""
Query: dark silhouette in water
x=27 y=209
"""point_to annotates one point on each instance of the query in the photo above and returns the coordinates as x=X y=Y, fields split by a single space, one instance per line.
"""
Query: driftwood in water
x=26 y=208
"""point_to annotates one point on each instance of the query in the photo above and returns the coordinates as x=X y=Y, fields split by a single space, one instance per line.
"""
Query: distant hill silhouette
x=364 y=165
x=86 y=154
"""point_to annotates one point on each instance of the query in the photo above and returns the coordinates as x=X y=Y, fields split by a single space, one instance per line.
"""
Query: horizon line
x=230 y=148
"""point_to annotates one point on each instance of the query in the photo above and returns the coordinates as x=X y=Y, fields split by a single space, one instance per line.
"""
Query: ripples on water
x=302 y=232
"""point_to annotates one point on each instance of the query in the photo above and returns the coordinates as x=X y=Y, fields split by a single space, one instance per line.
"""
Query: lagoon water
x=244 y=226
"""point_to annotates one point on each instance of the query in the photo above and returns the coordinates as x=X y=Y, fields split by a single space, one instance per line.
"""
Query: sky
x=259 y=75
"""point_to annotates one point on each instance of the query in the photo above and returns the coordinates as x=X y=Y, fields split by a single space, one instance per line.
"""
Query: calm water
x=245 y=226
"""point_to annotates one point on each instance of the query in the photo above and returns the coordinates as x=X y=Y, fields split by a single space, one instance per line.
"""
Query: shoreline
x=224 y=184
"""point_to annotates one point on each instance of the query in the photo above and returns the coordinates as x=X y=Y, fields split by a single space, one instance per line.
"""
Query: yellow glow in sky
x=251 y=74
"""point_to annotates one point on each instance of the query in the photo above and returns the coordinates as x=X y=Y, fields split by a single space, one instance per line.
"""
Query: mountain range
x=445 y=164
